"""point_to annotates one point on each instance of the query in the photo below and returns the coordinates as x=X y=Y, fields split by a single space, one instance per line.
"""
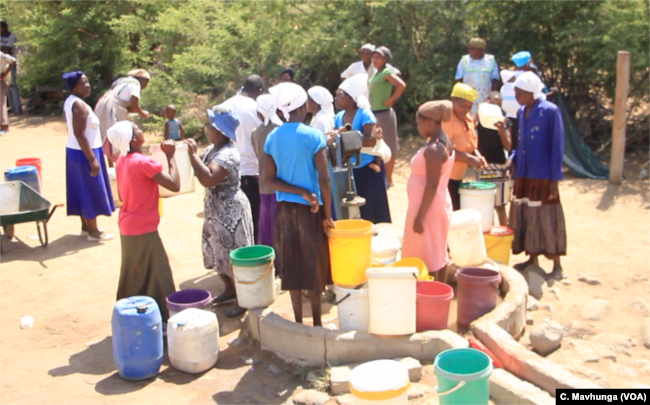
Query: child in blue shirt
x=173 y=127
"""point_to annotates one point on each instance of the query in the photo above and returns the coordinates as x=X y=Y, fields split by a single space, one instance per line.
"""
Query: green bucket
x=463 y=377
x=252 y=256
x=478 y=185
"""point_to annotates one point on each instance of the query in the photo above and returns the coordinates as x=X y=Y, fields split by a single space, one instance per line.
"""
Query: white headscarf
x=266 y=107
x=531 y=83
x=369 y=47
x=288 y=97
x=323 y=98
x=121 y=135
x=357 y=88
x=506 y=75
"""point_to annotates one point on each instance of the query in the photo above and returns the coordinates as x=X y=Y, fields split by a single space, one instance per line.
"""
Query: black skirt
x=372 y=186
x=301 y=247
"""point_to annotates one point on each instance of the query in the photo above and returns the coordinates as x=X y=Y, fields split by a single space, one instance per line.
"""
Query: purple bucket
x=191 y=298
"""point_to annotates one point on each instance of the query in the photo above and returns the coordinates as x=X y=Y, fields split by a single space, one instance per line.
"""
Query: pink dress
x=431 y=246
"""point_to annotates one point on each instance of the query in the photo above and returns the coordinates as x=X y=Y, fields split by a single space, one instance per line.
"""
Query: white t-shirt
x=129 y=90
x=246 y=110
x=8 y=41
x=92 y=125
x=357 y=67
x=323 y=121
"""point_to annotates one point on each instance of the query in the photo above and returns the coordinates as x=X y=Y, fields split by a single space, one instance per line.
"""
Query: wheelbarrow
x=20 y=203
x=45 y=96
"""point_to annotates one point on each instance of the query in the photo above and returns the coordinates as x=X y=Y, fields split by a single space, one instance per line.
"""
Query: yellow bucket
x=498 y=243
x=350 y=251
x=160 y=206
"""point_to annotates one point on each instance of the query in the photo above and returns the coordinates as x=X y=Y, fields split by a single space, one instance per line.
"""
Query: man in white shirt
x=245 y=107
x=7 y=46
x=365 y=64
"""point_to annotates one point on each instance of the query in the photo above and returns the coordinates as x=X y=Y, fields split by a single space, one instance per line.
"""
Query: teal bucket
x=463 y=377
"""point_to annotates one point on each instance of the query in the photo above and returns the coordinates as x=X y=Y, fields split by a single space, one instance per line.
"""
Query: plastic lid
x=181 y=322
x=392 y=272
x=379 y=376
x=500 y=231
x=478 y=185
x=464 y=218
x=194 y=317
x=141 y=308
x=385 y=244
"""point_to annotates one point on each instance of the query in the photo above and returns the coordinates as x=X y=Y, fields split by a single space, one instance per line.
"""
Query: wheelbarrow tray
x=20 y=203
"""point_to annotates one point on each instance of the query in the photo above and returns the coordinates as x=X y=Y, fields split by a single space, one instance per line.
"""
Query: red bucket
x=478 y=289
x=32 y=162
x=432 y=305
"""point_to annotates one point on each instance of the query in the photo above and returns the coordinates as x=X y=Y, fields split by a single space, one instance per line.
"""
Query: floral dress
x=228 y=219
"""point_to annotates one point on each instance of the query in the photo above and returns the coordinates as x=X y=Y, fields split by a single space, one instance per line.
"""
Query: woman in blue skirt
x=88 y=187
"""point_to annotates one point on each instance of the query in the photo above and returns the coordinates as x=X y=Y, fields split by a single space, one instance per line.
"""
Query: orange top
x=462 y=135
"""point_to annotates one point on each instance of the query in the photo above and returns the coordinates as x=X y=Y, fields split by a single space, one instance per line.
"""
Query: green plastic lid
x=252 y=256
x=478 y=185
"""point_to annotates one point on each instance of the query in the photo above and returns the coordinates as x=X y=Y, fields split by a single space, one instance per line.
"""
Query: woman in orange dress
x=430 y=206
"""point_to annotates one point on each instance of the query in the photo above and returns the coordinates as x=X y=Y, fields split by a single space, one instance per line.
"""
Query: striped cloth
x=174 y=129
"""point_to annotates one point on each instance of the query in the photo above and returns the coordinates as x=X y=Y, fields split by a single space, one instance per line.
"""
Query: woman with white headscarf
x=321 y=104
x=296 y=166
x=536 y=214
x=228 y=218
x=355 y=111
x=145 y=267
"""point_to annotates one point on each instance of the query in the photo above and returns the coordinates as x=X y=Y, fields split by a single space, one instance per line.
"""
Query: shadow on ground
x=17 y=249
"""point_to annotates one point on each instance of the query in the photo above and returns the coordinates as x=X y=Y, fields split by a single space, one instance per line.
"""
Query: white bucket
x=391 y=296
x=193 y=340
x=386 y=228
x=480 y=198
x=489 y=114
x=255 y=285
x=465 y=238
x=380 y=382
x=182 y=162
x=385 y=248
x=353 y=308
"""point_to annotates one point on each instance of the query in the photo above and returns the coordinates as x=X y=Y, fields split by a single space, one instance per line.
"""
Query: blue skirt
x=372 y=186
x=87 y=196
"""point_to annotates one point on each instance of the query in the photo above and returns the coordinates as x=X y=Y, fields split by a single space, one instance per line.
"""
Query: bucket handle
x=458 y=386
x=348 y=294
x=268 y=270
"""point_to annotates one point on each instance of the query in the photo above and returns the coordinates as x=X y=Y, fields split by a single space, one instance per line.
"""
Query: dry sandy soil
x=69 y=288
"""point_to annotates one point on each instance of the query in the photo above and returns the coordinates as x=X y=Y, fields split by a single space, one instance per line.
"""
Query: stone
x=577 y=329
x=641 y=306
x=529 y=320
x=347 y=399
x=595 y=310
x=623 y=371
x=34 y=120
x=615 y=340
x=235 y=342
x=548 y=308
x=643 y=174
x=546 y=336
x=340 y=380
x=536 y=283
x=645 y=333
x=586 y=353
x=293 y=341
x=591 y=280
x=416 y=391
x=414 y=367
x=506 y=388
x=532 y=304
x=310 y=397
x=274 y=370
x=604 y=351
x=565 y=281
x=557 y=292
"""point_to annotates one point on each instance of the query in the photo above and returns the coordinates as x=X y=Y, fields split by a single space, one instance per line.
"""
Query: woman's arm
x=369 y=139
x=166 y=133
x=435 y=156
x=504 y=133
x=325 y=187
x=209 y=176
x=135 y=107
x=180 y=125
x=400 y=86
x=171 y=181
x=468 y=158
x=272 y=180
x=11 y=66
x=79 y=117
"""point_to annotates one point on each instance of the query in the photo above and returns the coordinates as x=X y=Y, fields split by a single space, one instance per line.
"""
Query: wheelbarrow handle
x=52 y=212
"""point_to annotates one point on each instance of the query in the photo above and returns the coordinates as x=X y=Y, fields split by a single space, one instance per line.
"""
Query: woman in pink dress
x=430 y=207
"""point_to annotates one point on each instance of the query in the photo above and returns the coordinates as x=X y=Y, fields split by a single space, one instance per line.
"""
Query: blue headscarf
x=290 y=71
x=72 y=78
x=521 y=58
x=225 y=120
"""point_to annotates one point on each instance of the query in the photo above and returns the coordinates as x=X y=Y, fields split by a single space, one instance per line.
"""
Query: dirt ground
x=69 y=288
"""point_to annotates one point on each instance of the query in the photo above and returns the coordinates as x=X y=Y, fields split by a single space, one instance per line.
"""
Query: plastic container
x=385 y=248
x=489 y=114
x=36 y=162
x=463 y=377
x=386 y=228
x=498 y=243
x=479 y=195
x=193 y=340
x=26 y=174
x=254 y=275
x=190 y=298
x=350 y=247
x=391 y=295
x=380 y=382
x=465 y=238
x=478 y=289
x=353 y=308
x=432 y=305
x=137 y=338
x=184 y=168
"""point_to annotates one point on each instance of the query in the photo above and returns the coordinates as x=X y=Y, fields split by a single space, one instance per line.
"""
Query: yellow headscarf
x=462 y=90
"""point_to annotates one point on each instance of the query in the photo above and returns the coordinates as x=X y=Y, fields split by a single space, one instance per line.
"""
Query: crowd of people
x=268 y=179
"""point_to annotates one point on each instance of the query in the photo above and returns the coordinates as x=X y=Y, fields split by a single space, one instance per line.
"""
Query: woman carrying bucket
x=296 y=166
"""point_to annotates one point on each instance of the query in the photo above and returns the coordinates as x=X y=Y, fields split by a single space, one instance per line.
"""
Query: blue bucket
x=463 y=377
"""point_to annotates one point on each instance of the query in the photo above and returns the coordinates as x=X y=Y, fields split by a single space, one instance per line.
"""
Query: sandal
x=235 y=310
x=220 y=299
x=104 y=237
x=85 y=233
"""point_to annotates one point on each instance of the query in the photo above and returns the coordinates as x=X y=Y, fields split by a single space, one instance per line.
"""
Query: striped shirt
x=174 y=129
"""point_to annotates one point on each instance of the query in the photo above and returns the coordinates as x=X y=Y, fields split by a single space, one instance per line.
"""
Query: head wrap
x=357 y=88
x=385 y=52
x=225 y=120
x=288 y=97
x=439 y=110
x=121 y=135
x=531 y=83
x=369 y=47
x=462 y=90
x=507 y=75
x=477 y=42
x=266 y=107
x=323 y=98
x=141 y=73
x=521 y=58
x=72 y=78
x=289 y=71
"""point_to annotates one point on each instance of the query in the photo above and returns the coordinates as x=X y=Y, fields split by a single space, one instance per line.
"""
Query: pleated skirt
x=87 y=196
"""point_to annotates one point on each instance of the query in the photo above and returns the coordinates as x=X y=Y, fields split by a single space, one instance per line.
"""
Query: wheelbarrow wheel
x=40 y=236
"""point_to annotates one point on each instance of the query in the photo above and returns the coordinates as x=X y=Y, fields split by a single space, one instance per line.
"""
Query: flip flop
x=85 y=233
x=235 y=310
x=224 y=298
x=104 y=237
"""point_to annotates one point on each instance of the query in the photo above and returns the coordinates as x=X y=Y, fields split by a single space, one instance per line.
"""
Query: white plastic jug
x=184 y=167
x=384 y=248
x=465 y=238
x=481 y=196
x=353 y=308
x=193 y=340
x=391 y=295
x=380 y=382
x=489 y=114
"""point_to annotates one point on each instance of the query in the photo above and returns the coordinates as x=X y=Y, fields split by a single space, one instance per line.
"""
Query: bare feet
x=522 y=266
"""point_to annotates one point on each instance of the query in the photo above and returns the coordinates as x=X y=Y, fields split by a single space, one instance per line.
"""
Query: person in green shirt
x=385 y=88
